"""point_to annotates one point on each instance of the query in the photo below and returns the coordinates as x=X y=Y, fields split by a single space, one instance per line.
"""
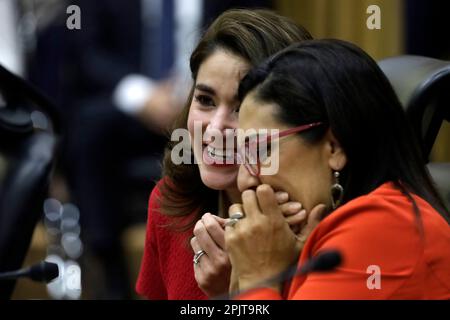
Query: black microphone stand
x=42 y=272
x=324 y=261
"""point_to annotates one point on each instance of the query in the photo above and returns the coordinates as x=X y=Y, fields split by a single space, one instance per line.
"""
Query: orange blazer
x=376 y=232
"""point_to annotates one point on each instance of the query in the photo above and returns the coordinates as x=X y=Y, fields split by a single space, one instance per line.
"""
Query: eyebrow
x=210 y=90
x=205 y=88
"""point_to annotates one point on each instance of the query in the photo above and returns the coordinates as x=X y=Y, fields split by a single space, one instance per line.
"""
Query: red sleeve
x=150 y=282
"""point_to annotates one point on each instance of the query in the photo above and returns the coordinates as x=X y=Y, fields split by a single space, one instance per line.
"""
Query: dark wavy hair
x=252 y=34
x=339 y=84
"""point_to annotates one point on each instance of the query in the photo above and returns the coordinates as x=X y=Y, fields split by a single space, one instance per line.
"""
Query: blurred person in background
x=127 y=78
x=123 y=67
x=11 y=43
x=23 y=22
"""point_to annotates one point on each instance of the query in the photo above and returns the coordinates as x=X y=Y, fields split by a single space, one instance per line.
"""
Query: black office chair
x=423 y=87
x=27 y=154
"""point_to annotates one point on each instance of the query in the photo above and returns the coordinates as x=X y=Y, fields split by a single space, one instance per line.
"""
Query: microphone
x=42 y=272
x=326 y=260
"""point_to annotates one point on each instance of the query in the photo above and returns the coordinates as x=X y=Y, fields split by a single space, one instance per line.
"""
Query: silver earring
x=337 y=192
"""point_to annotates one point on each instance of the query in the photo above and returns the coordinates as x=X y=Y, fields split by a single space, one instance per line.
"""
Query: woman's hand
x=314 y=217
x=293 y=212
x=212 y=272
x=262 y=245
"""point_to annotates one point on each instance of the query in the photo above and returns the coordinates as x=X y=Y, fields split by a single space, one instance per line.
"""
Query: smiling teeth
x=218 y=153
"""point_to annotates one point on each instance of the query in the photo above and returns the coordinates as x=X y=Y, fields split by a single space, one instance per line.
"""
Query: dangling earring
x=337 y=191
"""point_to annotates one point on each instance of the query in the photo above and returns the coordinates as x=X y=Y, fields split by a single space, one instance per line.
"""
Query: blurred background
x=117 y=84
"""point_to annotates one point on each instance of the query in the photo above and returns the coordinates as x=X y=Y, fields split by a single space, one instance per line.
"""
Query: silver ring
x=198 y=255
x=237 y=215
x=231 y=222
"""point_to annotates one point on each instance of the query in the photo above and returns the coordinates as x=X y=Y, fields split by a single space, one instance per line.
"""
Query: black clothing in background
x=428 y=28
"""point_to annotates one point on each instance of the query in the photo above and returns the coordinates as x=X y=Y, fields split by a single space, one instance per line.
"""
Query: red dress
x=378 y=229
x=166 y=269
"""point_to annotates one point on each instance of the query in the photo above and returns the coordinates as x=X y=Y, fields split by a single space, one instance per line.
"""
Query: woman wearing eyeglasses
x=180 y=261
x=343 y=144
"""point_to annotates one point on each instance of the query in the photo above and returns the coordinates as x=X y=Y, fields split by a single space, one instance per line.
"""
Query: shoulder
x=381 y=230
x=157 y=195
x=385 y=207
x=386 y=204
x=156 y=218
x=162 y=187
x=154 y=201
x=375 y=227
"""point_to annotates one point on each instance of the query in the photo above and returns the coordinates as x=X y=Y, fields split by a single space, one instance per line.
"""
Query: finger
x=250 y=204
x=317 y=214
x=205 y=241
x=267 y=200
x=214 y=229
x=220 y=220
x=204 y=261
x=296 y=219
x=290 y=208
x=314 y=218
x=282 y=196
x=236 y=208
x=194 y=245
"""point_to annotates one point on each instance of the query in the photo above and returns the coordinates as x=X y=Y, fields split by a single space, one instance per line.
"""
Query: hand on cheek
x=261 y=245
x=293 y=211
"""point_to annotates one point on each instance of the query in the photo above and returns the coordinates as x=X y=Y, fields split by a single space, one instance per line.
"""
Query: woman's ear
x=337 y=157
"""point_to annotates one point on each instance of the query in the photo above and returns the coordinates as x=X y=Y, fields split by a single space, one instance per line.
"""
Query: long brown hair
x=253 y=35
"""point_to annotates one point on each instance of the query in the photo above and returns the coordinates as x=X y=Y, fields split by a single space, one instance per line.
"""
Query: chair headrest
x=414 y=77
x=422 y=85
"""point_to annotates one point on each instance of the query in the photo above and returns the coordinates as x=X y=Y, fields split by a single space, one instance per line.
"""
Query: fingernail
x=295 y=206
x=282 y=196
x=302 y=214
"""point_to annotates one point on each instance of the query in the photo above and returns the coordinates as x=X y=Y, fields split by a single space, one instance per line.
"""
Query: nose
x=221 y=125
x=246 y=181
x=222 y=119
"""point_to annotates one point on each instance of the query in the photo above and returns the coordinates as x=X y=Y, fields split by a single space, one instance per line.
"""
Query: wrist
x=246 y=283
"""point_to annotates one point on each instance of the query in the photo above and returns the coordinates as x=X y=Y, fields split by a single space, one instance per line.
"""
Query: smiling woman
x=214 y=105
x=191 y=194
